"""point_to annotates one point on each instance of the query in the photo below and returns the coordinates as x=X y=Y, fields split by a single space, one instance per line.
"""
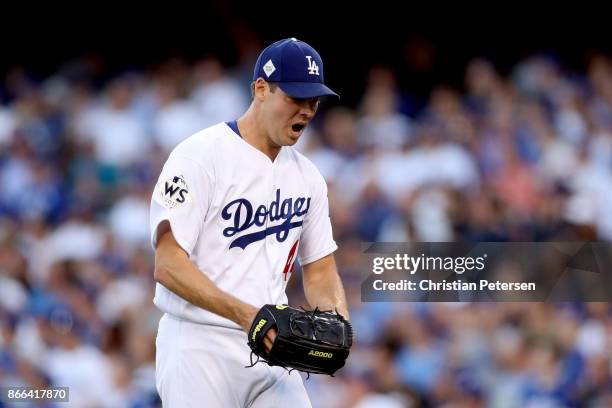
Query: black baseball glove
x=314 y=341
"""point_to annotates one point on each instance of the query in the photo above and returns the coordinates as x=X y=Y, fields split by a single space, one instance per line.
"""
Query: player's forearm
x=323 y=287
x=175 y=271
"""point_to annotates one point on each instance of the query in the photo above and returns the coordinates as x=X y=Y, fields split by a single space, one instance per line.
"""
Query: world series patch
x=173 y=192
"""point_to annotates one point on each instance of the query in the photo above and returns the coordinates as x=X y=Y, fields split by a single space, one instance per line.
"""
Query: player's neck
x=256 y=136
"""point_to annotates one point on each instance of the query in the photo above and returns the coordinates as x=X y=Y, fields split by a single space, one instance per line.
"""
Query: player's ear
x=260 y=88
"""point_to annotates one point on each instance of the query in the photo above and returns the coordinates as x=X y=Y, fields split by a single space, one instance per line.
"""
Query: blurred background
x=472 y=130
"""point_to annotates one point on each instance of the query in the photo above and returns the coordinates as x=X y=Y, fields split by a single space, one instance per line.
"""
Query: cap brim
x=306 y=89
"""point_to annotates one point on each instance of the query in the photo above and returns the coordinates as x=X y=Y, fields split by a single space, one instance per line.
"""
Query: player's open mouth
x=298 y=127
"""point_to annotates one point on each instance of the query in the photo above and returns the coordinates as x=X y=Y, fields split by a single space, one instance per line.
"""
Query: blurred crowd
x=524 y=156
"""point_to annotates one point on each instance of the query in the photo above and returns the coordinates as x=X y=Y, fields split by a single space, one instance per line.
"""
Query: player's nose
x=308 y=107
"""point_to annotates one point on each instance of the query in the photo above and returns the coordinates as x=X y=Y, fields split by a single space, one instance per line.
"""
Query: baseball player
x=234 y=207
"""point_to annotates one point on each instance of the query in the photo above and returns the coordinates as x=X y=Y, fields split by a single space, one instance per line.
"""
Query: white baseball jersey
x=241 y=217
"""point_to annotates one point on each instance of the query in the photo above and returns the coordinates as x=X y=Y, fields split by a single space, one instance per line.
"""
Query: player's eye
x=313 y=103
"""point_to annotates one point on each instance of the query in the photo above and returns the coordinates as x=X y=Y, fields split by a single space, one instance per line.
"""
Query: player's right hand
x=269 y=339
x=270 y=334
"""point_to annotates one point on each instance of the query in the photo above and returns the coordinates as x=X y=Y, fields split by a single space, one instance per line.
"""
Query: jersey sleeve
x=317 y=240
x=181 y=197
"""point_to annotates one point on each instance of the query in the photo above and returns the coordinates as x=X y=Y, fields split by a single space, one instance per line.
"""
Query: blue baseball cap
x=295 y=66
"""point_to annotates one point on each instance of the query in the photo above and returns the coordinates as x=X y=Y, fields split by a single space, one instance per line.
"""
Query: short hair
x=273 y=86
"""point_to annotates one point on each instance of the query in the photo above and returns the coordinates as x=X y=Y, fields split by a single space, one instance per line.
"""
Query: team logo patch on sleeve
x=173 y=192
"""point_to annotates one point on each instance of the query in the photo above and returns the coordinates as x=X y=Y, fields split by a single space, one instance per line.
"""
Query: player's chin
x=293 y=136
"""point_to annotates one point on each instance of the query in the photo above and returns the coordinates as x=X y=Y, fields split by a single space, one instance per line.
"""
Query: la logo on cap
x=313 y=68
